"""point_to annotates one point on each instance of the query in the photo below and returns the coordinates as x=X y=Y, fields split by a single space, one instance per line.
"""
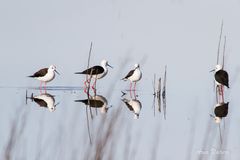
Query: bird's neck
x=105 y=68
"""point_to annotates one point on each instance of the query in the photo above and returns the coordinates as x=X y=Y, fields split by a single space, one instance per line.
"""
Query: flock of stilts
x=46 y=75
x=221 y=80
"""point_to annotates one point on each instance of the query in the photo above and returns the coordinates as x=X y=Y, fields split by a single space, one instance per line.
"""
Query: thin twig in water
x=219 y=43
x=154 y=94
x=220 y=133
x=89 y=58
x=224 y=48
x=164 y=93
x=218 y=51
x=159 y=94
x=89 y=82
x=89 y=134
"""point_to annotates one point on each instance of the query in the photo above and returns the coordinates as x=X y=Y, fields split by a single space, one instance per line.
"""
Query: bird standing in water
x=221 y=79
x=133 y=76
x=45 y=75
x=96 y=72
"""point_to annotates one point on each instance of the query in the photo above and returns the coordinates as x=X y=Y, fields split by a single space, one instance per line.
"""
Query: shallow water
x=69 y=132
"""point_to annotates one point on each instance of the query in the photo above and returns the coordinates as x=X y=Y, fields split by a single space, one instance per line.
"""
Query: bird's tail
x=32 y=97
x=85 y=101
x=124 y=79
x=78 y=73
x=125 y=100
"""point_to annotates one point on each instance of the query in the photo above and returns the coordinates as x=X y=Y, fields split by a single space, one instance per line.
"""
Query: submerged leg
x=222 y=92
x=217 y=93
x=130 y=89
x=45 y=87
x=40 y=87
x=135 y=86
x=94 y=84
x=134 y=93
x=87 y=84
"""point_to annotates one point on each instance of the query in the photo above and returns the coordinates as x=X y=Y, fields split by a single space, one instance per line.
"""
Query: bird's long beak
x=56 y=104
x=212 y=70
x=57 y=72
x=109 y=65
x=212 y=116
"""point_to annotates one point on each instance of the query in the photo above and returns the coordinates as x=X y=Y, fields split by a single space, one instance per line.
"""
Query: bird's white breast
x=136 y=106
x=47 y=78
x=49 y=100
x=137 y=75
x=99 y=76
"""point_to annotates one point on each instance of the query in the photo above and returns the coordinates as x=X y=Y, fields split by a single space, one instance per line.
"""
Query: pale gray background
x=182 y=34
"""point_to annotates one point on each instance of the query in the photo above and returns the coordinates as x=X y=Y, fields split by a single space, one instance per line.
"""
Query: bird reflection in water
x=97 y=101
x=220 y=111
x=45 y=100
x=133 y=105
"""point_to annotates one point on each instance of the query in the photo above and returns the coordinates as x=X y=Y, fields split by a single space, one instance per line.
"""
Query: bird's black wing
x=221 y=76
x=221 y=111
x=85 y=101
x=129 y=106
x=91 y=103
x=40 y=102
x=93 y=70
x=96 y=103
x=129 y=74
x=40 y=73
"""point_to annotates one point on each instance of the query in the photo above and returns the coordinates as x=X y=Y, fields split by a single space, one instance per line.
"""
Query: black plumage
x=221 y=77
x=129 y=74
x=40 y=73
x=221 y=110
x=92 y=102
x=92 y=71
x=128 y=105
x=40 y=102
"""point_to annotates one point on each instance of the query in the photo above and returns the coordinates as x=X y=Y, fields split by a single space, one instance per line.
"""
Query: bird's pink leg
x=86 y=84
x=45 y=87
x=94 y=84
x=135 y=86
x=130 y=90
x=130 y=86
x=134 y=90
x=222 y=93
x=219 y=93
x=40 y=87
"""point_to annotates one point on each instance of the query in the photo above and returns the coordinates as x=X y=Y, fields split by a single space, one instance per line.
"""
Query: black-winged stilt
x=45 y=75
x=221 y=79
x=220 y=111
x=133 y=105
x=133 y=76
x=45 y=100
x=96 y=72
x=97 y=101
x=221 y=76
